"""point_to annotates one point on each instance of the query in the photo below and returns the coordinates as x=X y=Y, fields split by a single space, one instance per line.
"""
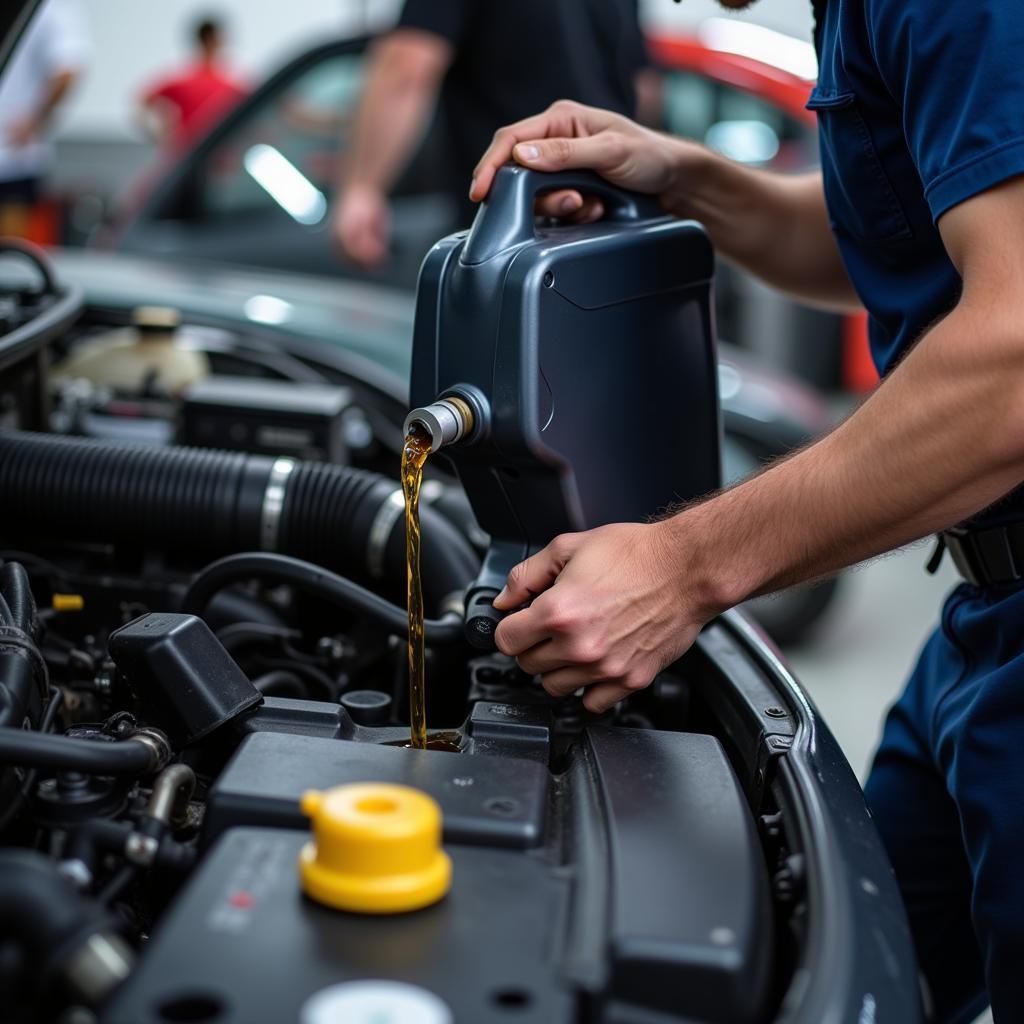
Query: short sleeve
x=64 y=37
x=957 y=71
x=159 y=90
x=446 y=18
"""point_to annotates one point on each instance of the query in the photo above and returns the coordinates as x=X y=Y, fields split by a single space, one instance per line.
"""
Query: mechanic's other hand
x=569 y=135
x=362 y=226
x=23 y=132
x=610 y=610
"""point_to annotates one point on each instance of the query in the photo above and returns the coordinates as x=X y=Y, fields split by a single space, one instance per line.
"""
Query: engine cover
x=632 y=884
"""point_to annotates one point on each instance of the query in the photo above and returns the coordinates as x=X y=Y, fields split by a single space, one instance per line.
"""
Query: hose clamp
x=157 y=743
x=273 y=502
x=391 y=509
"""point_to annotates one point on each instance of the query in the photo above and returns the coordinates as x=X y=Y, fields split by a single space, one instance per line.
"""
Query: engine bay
x=202 y=623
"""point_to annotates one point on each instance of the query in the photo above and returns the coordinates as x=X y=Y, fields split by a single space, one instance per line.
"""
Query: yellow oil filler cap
x=376 y=849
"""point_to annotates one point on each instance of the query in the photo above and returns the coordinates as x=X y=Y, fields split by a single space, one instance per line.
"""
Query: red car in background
x=256 y=189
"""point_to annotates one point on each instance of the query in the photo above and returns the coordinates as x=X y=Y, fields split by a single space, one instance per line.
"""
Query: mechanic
x=35 y=84
x=917 y=215
x=470 y=55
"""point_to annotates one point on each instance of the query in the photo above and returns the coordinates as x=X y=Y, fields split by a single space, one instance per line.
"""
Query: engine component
x=367 y=707
x=64 y=938
x=311 y=577
x=300 y=420
x=182 y=675
x=31 y=319
x=643 y=887
x=264 y=782
x=221 y=502
x=376 y=849
x=23 y=673
x=152 y=354
x=142 y=752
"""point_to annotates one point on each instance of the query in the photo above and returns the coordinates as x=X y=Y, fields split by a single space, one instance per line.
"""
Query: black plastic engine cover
x=689 y=887
x=631 y=888
x=486 y=801
x=245 y=944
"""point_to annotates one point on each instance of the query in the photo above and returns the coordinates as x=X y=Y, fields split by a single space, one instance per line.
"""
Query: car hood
x=370 y=321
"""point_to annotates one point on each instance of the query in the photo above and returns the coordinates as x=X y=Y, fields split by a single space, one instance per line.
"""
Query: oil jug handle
x=505 y=218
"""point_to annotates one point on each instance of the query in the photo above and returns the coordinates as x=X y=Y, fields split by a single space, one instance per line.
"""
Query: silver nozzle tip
x=445 y=421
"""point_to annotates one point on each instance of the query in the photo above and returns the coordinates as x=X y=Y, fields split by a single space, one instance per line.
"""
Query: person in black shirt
x=489 y=63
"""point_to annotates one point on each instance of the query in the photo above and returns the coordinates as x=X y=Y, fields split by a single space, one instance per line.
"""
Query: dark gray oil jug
x=587 y=356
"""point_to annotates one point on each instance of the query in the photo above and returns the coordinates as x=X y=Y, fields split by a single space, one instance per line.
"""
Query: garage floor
x=856 y=661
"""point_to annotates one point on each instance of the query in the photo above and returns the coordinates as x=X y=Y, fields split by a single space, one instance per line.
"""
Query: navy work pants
x=947 y=794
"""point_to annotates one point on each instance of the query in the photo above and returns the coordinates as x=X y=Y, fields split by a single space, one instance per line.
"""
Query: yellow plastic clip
x=68 y=602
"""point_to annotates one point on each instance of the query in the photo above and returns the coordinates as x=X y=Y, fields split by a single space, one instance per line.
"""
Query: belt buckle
x=961 y=550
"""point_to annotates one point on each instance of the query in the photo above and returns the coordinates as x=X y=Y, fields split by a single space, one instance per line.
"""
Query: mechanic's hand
x=22 y=132
x=362 y=226
x=569 y=135
x=610 y=610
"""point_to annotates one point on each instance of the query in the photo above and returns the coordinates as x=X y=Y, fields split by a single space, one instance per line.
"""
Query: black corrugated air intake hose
x=211 y=503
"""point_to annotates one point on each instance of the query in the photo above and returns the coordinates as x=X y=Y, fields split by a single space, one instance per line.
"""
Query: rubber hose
x=17 y=683
x=70 y=753
x=215 y=503
x=16 y=589
x=309 y=577
x=279 y=682
x=19 y=662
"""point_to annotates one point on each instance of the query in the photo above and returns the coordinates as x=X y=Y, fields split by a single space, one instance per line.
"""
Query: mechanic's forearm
x=391 y=119
x=57 y=88
x=941 y=439
x=774 y=225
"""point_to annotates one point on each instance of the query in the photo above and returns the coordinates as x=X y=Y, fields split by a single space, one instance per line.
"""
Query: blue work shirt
x=920 y=105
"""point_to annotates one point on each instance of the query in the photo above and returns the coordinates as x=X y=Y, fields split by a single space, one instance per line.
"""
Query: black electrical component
x=303 y=421
x=181 y=674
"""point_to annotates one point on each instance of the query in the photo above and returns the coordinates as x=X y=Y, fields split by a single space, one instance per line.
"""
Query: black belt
x=986 y=557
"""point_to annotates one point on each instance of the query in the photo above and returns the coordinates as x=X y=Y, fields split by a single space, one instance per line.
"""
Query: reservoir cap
x=376 y=849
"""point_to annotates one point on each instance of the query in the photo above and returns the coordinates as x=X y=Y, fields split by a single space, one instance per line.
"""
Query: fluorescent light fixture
x=267 y=309
x=285 y=184
x=746 y=39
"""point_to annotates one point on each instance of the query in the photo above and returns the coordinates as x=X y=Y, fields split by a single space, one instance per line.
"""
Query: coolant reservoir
x=153 y=354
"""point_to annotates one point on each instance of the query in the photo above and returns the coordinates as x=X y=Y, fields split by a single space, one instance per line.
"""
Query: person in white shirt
x=38 y=78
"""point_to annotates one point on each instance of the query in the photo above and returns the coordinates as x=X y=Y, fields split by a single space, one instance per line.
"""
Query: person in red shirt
x=182 y=106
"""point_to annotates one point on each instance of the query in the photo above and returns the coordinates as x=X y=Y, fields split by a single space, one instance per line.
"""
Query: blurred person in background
x=46 y=63
x=489 y=64
x=178 y=108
